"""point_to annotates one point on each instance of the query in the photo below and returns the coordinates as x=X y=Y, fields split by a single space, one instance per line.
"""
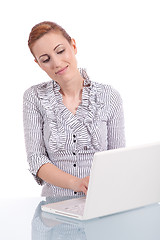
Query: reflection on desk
x=138 y=224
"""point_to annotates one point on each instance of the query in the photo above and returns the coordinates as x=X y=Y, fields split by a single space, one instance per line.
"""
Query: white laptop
x=120 y=180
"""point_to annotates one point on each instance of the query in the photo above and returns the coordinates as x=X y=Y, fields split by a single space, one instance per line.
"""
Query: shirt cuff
x=35 y=162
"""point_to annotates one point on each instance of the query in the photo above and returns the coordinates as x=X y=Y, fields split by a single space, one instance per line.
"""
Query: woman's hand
x=80 y=184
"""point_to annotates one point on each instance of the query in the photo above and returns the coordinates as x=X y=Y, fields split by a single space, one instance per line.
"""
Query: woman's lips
x=62 y=70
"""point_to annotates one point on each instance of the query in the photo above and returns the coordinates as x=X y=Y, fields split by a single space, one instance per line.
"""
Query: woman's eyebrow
x=47 y=54
x=57 y=46
x=43 y=55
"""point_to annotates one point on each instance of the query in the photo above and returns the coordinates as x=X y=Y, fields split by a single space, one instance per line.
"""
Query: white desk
x=23 y=219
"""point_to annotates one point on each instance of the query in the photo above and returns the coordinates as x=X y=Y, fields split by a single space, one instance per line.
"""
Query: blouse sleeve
x=33 y=133
x=116 y=133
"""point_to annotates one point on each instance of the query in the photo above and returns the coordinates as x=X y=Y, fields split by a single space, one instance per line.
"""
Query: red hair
x=41 y=29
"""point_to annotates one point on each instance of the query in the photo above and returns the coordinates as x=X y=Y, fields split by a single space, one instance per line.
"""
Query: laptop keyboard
x=76 y=207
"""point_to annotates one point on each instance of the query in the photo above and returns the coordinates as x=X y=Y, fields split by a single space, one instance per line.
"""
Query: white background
x=118 y=43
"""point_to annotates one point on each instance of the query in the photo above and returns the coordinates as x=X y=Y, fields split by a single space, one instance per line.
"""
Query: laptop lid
x=123 y=179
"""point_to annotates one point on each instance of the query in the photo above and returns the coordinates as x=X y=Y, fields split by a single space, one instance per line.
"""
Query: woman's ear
x=73 y=42
x=36 y=62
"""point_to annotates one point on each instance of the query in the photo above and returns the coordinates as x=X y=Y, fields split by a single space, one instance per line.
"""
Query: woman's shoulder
x=107 y=95
x=105 y=89
x=37 y=89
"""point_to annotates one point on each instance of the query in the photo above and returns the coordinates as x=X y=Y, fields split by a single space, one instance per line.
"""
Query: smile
x=61 y=71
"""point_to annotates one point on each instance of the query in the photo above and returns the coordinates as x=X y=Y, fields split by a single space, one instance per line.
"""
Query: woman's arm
x=55 y=176
x=116 y=130
x=40 y=165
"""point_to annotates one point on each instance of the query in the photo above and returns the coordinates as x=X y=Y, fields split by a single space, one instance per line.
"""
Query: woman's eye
x=45 y=61
x=60 y=51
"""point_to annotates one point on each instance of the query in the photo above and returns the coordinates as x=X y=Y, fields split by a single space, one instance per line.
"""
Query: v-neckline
x=82 y=109
x=79 y=106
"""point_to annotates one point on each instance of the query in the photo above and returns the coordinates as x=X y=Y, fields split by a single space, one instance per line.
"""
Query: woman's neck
x=73 y=88
x=72 y=93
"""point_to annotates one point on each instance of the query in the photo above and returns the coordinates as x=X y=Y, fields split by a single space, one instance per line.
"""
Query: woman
x=67 y=119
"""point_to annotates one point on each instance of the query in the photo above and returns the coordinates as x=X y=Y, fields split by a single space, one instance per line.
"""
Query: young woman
x=67 y=119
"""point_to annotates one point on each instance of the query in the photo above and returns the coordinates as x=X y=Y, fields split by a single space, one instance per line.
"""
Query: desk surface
x=23 y=219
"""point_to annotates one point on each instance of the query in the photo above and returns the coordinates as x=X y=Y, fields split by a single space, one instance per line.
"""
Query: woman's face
x=56 y=56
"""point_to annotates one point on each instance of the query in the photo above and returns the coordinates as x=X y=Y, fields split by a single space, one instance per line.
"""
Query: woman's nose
x=55 y=63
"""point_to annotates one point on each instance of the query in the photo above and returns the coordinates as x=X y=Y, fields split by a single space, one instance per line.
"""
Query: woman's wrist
x=72 y=183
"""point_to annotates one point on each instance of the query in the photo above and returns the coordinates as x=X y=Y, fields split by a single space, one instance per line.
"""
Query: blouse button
x=74 y=140
x=74 y=165
x=74 y=135
x=75 y=192
x=74 y=153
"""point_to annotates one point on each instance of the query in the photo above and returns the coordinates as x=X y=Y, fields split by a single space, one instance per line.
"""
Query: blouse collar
x=86 y=115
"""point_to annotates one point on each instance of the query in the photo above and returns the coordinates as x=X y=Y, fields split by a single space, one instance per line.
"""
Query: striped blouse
x=54 y=135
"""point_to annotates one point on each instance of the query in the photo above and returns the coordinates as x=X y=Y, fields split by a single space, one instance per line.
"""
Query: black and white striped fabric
x=54 y=135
